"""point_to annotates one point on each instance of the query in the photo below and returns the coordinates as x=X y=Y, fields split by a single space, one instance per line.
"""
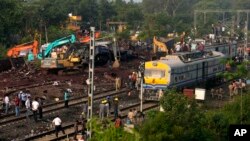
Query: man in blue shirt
x=30 y=56
x=66 y=98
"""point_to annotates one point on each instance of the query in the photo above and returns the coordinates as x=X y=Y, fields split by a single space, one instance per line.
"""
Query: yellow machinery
x=163 y=45
x=159 y=45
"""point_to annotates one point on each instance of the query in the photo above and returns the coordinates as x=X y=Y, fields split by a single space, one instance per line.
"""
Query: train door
x=204 y=70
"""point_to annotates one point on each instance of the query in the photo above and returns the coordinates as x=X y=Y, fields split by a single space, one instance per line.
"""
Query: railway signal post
x=91 y=77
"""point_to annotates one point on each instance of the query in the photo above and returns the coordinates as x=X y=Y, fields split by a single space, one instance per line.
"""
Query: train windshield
x=154 y=73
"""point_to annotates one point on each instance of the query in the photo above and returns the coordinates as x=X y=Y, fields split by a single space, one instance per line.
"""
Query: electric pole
x=246 y=38
x=141 y=75
x=91 y=77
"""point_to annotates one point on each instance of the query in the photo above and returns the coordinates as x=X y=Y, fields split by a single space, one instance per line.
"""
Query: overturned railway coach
x=182 y=69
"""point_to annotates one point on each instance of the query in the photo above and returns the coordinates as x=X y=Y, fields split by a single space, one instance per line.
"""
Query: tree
x=10 y=20
x=106 y=131
x=182 y=120
x=106 y=11
x=172 y=6
x=89 y=12
x=3 y=51
x=153 y=7
x=238 y=70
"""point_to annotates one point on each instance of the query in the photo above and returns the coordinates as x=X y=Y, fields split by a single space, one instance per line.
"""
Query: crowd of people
x=33 y=107
x=23 y=100
x=235 y=86
x=233 y=89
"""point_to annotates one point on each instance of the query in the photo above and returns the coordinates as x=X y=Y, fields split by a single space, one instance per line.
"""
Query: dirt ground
x=12 y=81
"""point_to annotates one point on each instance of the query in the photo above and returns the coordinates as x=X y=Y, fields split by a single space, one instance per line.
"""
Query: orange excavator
x=25 y=48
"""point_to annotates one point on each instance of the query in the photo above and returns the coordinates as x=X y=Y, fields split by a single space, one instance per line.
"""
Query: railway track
x=10 y=119
x=17 y=88
x=50 y=104
x=69 y=128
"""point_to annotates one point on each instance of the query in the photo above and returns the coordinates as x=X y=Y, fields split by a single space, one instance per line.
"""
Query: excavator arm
x=161 y=45
x=15 y=51
x=59 y=42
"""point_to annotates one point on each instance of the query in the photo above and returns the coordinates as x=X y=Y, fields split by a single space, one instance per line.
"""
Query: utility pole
x=141 y=91
x=246 y=38
x=91 y=77
x=141 y=75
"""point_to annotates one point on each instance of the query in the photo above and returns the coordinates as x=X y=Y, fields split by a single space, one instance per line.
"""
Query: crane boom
x=30 y=46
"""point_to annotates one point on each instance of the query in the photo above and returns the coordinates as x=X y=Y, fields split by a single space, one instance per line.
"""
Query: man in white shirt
x=35 y=106
x=7 y=103
x=58 y=125
x=178 y=47
x=27 y=105
x=23 y=98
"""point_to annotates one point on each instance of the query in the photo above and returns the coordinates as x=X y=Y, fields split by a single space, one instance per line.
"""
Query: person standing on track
x=130 y=117
x=102 y=109
x=58 y=125
x=17 y=105
x=66 y=98
x=7 y=103
x=117 y=83
x=28 y=107
x=40 y=108
x=35 y=106
x=116 y=107
x=23 y=97
x=76 y=128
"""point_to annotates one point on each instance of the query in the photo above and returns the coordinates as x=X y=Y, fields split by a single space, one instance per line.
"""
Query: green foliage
x=182 y=120
x=10 y=20
x=105 y=11
x=233 y=111
x=124 y=35
x=106 y=131
x=218 y=125
x=3 y=51
x=55 y=32
x=239 y=70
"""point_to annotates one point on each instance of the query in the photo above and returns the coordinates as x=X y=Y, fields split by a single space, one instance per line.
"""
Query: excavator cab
x=162 y=46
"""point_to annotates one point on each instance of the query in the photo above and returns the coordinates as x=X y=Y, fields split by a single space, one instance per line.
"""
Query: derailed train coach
x=182 y=69
x=228 y=49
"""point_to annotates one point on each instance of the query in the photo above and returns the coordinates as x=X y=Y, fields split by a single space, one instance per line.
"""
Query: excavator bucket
x=116 y=64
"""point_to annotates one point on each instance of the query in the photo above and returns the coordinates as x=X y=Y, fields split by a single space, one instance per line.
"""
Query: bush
x=3 y=51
